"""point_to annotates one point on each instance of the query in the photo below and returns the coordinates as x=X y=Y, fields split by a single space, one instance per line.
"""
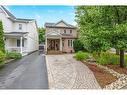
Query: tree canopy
x=41 y=35
x=103 y=27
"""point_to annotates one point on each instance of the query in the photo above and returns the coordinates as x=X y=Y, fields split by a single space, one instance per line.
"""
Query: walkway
x=64 y=72
x=28 y=73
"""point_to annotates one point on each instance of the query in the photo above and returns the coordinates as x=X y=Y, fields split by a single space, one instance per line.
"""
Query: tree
x=2 y=45
x=92 y=32
x=117 y=18
x=102 y=27
x=41 y=35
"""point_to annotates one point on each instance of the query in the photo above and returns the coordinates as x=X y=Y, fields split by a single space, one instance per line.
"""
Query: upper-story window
x=64 y=31
x=20 y=26
x=70 y=31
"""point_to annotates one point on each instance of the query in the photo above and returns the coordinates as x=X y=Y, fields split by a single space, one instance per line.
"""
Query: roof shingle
x=54 y=24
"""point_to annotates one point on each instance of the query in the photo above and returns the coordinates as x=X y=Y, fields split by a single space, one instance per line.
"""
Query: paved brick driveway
x=64 y=72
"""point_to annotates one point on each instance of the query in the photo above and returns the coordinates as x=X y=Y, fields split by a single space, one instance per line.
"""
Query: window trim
x=65 y=31
x=20 y=26
x=70 y=31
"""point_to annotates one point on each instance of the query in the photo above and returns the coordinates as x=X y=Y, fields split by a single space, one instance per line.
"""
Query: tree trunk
x=117 y=52
x=121 y=58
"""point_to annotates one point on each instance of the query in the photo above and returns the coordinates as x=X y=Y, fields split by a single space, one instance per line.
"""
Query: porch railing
x=16 y=49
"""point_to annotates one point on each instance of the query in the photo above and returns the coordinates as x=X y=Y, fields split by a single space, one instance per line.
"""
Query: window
x=18 y=43
x=70 y=43
x=64 y=31
x=20 y=26
x=70 y=31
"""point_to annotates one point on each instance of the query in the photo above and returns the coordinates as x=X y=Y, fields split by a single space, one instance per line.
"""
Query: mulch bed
x=104 y=78
x=118 y=69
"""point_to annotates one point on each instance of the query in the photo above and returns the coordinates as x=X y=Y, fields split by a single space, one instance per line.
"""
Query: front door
x=54 y=44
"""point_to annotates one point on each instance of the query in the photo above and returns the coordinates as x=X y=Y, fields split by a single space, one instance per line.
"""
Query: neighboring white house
x=20 y=34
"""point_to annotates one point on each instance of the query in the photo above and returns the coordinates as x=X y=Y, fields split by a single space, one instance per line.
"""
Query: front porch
x=54 y=46
x=17 y=43
x=53 y=43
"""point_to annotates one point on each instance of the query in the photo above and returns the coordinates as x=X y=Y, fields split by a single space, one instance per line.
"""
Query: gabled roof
x=49 y=24
x=55 y=24
x=10 y=15
x=53 y=33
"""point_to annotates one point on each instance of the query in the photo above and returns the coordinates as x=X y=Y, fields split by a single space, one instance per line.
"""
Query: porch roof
x=58 y=35
x=53 y=34
x=16 y=34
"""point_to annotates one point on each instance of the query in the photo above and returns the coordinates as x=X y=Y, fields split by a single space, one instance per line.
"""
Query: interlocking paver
x=64 y=72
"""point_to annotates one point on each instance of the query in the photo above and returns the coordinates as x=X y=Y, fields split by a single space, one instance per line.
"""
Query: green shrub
x=81 y=55
x=125 y=58
x=2 y=58
x=2 y=45
x=95 y=56
x=106 y=58
x=13 y=55
x=114 y=59
x=78 y=46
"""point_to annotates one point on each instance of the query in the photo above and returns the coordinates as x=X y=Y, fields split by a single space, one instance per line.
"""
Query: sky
x=45 y=13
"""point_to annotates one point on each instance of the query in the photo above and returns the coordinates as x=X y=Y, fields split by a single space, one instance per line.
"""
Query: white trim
x=61 y=44
x=5 y=12
x=21 y=45
x=49 y=33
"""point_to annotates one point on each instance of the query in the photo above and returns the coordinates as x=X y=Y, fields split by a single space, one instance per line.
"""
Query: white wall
x=7 y=23
x=16 y=27
x=32 y=37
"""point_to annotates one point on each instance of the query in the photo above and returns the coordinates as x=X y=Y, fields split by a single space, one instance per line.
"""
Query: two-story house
x=60 y=37
x=20 y=34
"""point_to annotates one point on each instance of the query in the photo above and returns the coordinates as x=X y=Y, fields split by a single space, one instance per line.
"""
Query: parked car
x=41 y=48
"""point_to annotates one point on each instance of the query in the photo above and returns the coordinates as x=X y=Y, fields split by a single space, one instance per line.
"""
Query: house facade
x=20 y=34
x=59 y=37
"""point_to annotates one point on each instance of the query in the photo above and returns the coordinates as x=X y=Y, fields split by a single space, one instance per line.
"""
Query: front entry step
x=54 y=52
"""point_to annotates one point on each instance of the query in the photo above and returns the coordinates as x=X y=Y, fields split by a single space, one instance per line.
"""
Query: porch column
x=21 y=44
x=60 y=44
x=46 y=45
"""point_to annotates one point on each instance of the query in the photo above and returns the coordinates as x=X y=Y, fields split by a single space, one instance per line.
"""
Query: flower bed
x=104 y=78
x=107 y=70
x=118 y=69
